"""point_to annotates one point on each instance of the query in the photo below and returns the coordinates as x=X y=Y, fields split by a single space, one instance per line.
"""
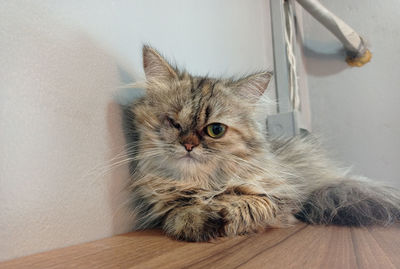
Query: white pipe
x=352 y=41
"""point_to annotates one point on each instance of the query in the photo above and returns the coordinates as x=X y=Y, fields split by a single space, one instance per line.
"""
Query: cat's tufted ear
x=253 y=86
x=155 y=66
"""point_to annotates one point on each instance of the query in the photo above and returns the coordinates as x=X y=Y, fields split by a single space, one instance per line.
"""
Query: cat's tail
x=352 y=202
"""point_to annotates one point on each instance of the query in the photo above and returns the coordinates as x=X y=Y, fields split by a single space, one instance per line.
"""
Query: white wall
x=61 y=63
x=357 y=110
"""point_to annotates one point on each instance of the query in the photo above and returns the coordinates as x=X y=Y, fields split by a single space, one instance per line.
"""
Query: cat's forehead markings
x=197 y=108
x=202 y=99
x=207 y=113
x=185 y=112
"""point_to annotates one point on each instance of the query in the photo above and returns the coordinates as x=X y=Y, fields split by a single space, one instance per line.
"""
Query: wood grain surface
x=302 y=246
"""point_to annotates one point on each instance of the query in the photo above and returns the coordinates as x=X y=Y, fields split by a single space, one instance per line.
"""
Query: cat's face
x=191 y=125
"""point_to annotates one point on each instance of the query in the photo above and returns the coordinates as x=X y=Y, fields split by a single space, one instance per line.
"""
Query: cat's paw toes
x=194 y=225
x=228 y=228
x=235 y=224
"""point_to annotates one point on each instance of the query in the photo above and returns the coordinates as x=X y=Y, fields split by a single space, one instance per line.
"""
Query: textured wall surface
x=61 y=63
x=357 y=110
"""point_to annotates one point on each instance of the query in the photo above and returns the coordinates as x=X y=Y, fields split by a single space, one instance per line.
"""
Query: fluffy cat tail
x=354 y=201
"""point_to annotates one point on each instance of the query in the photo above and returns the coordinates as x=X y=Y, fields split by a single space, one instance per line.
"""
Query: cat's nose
x=189 y=142
x=188 y=147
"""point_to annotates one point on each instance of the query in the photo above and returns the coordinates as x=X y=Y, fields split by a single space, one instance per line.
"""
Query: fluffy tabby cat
x=204 y=168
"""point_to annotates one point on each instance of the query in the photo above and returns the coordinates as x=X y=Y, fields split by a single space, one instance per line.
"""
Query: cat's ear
x=155 y=66
x=253 y=86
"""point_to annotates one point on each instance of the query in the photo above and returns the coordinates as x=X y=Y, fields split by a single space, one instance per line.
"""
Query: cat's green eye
x=215 y=130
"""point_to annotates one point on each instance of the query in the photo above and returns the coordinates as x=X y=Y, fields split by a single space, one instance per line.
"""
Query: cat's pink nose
x=189 y=142
x=188 y=147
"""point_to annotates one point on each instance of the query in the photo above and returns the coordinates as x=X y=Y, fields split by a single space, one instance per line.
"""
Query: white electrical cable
x=289 y=37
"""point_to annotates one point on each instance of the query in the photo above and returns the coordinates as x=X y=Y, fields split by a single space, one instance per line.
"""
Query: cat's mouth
x=188 y=157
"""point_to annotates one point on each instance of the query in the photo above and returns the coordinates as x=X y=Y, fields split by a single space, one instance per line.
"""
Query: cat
x=202 y=167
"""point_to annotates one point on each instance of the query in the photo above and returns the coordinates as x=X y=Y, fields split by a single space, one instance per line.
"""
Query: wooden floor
x=302 y=246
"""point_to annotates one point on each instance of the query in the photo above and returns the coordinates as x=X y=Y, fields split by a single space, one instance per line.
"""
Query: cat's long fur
x=242 y=182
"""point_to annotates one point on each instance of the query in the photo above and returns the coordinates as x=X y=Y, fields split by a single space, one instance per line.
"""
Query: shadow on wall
x=119 y=193
x=324 y=59
x=59 y=124
x=119 y=171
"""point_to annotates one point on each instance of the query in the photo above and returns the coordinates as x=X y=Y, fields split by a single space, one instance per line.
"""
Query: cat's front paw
x=194 y=224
